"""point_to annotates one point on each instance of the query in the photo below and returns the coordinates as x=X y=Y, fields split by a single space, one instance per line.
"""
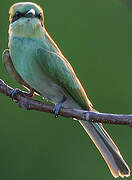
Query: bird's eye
x=16 y=16
x=17 y=13
x=40 y=16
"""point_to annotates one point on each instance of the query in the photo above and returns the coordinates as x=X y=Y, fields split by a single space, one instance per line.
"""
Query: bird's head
x=26 y=19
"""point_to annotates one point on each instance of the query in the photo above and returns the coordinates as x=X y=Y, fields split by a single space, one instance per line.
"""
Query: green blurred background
x=96 y=37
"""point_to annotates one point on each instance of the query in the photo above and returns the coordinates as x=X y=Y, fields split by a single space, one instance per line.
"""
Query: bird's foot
x=14 y=92
x=58 y=106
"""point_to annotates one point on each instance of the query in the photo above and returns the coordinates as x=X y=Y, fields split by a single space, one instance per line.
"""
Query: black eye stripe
x=18 y=15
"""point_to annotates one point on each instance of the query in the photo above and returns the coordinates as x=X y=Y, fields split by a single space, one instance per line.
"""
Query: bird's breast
x=23 y=54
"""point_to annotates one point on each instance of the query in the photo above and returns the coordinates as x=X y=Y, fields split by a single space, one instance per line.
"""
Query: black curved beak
x=30 y=13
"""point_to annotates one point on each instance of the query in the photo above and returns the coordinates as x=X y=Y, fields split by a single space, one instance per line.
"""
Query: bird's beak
x=30 y=13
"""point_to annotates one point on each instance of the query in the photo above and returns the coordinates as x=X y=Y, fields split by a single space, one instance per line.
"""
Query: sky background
x=96 y=37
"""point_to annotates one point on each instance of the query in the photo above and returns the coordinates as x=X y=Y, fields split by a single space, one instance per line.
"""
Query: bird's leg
x=16 y=91
x=58 y=106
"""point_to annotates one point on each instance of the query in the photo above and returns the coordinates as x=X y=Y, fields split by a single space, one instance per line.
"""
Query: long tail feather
x=107 y=148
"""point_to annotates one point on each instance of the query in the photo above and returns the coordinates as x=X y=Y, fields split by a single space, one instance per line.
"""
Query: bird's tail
x=107 y=148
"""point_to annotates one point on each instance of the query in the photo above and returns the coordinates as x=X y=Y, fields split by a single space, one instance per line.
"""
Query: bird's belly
x=47 y=88
x=50 y=90
x=27 y=66
x=38 y=79
x=24 y=60
x=43 y=84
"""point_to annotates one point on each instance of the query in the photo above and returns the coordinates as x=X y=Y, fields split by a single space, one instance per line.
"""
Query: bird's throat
x=27 y=27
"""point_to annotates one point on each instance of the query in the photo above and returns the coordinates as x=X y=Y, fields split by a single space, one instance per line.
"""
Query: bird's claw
x=14 y=92
x=57 y=107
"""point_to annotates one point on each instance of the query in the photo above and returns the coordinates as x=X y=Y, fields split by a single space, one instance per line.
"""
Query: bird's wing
x=10 y=68
x=59 y=69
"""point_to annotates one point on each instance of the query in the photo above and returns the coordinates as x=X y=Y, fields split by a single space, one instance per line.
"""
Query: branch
x=31 y=104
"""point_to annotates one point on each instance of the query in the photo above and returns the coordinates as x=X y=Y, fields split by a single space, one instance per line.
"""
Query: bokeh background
x=96 y=37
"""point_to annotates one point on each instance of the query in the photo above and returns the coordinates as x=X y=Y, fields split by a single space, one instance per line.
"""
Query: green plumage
x=36 y=62
x=60 y=71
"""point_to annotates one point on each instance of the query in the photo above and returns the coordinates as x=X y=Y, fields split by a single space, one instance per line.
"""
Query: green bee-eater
x=36 y=62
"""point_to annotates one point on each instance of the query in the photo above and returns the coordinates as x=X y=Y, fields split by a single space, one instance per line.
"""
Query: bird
x=35 y=61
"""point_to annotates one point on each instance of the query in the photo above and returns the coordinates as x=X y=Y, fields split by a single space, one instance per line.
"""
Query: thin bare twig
x=31 y=104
